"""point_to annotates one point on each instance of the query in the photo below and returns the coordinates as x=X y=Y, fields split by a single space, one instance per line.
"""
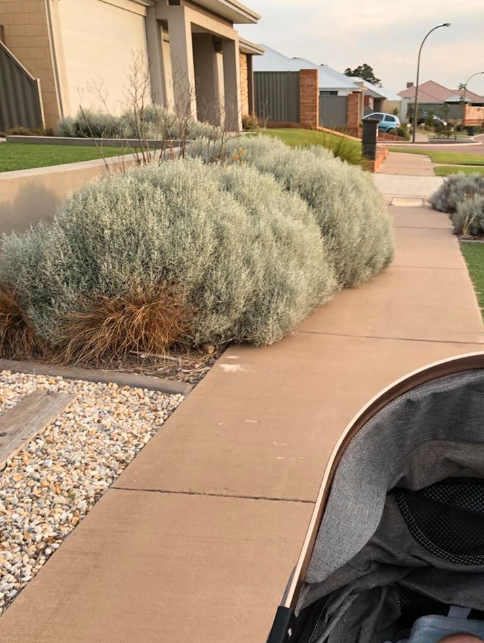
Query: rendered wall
x=100 y=40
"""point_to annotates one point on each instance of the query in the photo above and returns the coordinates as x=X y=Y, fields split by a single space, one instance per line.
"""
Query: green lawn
x=22 y=156
x=445 y=170
x=345 y=148
x=452 y=158
x=474 y=256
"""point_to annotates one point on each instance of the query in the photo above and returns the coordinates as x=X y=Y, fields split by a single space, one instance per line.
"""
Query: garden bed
x=50 y=485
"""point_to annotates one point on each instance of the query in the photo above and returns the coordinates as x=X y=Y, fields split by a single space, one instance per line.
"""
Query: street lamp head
x=446 y=24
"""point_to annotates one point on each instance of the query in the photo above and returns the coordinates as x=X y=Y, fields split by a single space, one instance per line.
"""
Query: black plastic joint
x=283 y=627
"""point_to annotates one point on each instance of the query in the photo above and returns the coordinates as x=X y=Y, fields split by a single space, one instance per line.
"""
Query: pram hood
x=374 y=538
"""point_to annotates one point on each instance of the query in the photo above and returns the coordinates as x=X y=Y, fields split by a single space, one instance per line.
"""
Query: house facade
x=447 y=103
x=185 y=55
x=340 y=100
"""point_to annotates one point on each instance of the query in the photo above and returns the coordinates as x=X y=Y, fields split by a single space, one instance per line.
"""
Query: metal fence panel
x=20 y=100
x=333 y=111
x=277 y=96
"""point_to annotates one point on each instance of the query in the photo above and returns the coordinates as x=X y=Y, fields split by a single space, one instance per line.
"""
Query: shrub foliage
x=154 y=123
x=193 y=251
x=344 y=200
x=468 y=219
x=456 y=189
x=243 y=257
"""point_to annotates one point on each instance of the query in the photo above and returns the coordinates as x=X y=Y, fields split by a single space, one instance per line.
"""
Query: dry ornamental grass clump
x=106 y=329
x=17 y=336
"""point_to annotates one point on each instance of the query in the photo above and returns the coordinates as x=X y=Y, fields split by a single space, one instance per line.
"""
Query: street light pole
x=415 y=105
x=464 y=97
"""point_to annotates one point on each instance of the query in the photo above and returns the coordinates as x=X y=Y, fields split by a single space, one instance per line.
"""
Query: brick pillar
x=354 y=115
x=308 y=98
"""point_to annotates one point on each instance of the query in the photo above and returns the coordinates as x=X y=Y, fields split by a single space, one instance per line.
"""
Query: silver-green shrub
x=90 y=123
x=456 y=189
x=152 y=123
x=469 y=217
x=319 y=151
x=246 y=258
x=348 y=207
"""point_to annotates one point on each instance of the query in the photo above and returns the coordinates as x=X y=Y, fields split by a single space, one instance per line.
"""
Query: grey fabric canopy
x=404 y=519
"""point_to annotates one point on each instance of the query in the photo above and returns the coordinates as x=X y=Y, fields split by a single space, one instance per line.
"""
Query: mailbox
x=370 y=138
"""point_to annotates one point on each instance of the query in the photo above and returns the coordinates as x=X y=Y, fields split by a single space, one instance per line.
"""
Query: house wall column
x=250 y=83
x=244 y=82
x=308 y=98
x=354 y=114
x=231 y=63
x=155 y=57
x=182 y=66
x=206 y=78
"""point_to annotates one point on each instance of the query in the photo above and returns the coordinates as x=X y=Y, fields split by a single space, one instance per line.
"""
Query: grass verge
x=452 y=158
x=446 y=170
x=345 y=148
x=474 y=256
x=24 y=156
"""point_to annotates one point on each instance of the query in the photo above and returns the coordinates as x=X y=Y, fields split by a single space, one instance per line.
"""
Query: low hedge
x=346 y=204
x=456 y=189
x=468 y=219
x=228 y=253
x=154 y=123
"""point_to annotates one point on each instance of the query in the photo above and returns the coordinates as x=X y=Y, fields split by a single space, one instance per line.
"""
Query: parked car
x=388 y=122
x=436 y=120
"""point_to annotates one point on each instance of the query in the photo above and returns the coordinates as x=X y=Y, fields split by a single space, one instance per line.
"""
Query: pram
x=398 y=527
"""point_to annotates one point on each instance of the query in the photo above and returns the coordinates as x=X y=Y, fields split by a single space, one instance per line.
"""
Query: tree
x=365 y=72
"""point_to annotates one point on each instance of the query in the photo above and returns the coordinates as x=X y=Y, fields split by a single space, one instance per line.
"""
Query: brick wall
x=26 y=35
x=308 y=98
x=244 y=83
x=354 y=115
x=474 y=115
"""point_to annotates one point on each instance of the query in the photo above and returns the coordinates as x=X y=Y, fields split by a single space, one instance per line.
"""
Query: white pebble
x=46 y=489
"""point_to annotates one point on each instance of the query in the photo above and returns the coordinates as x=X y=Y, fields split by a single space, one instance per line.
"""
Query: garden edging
x=129 y=143
x=134 y=380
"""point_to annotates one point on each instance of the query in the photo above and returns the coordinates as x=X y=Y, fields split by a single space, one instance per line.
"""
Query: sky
x=385 y=34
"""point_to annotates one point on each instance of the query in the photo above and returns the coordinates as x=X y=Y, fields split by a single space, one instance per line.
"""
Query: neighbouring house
x=75 y=52
x=445 y=102
x=381 y=99
x=341 y=102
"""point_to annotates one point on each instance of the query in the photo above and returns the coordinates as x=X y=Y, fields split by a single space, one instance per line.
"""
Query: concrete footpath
x=407 y=175
x=195 y=541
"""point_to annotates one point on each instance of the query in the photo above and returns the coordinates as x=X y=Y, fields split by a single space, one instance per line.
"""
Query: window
x=390 y=119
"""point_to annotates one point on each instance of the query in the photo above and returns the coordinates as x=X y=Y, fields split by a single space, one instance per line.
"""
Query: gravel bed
x=47 y=488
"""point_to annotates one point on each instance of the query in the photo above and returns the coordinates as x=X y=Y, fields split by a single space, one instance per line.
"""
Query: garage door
x=100 y=38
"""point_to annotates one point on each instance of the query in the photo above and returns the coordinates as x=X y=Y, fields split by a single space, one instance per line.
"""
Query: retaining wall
x=28 y=196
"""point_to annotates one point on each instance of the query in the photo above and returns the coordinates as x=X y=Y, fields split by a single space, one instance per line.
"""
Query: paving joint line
x=400 y=339
x=418 y=227
x=214 y=495
x=394 y=265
